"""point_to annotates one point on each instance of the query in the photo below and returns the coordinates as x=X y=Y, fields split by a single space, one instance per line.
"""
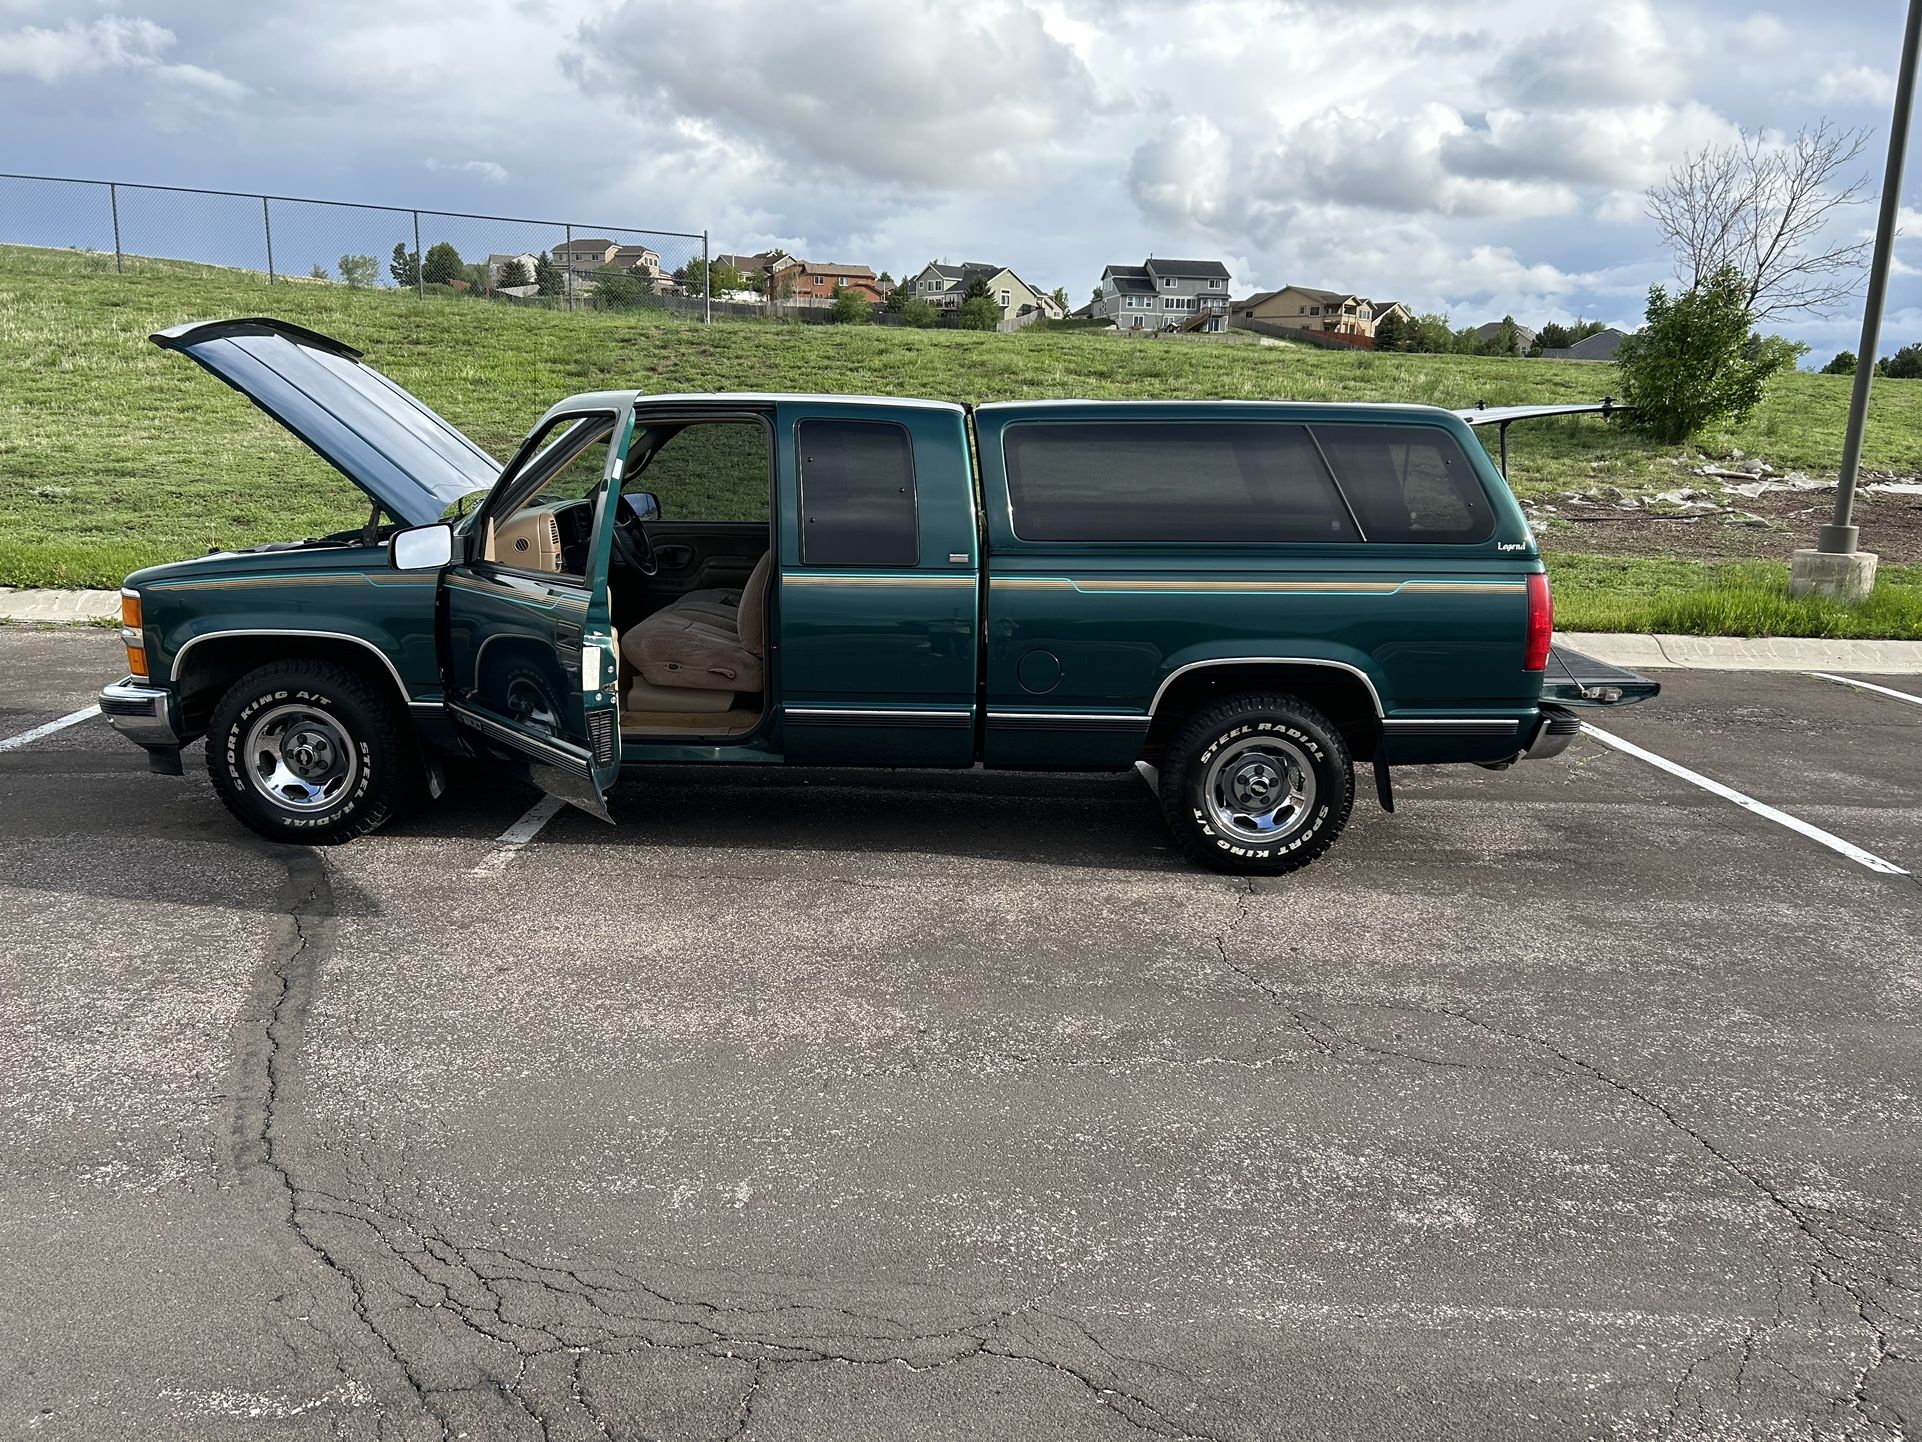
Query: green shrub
x=850 y=307
x=1697 y=363
x=980 y=313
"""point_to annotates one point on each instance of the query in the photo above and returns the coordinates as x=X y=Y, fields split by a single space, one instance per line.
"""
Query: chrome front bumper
x=148 y=716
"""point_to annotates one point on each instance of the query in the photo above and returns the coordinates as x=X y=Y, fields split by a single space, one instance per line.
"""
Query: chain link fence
x=551 y=263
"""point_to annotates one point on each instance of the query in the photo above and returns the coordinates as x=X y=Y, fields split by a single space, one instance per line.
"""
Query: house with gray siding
x=1165 y=294
x=1598 y=347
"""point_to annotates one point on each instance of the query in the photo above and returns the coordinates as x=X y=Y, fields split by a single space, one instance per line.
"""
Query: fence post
x=567 y=266
x=267 y=224
x=707 y=283
x=420 y=265
x=113 y=200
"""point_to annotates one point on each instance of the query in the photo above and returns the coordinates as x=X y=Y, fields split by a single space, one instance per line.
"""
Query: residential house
x=1598 y=347
x=1307 y=307
x=496 y=264
x=585 y=255
x=807 y=282
x=643 y=258
x=1490 y=333
x=752 y=265
x=1163 y=294
x=945 y=286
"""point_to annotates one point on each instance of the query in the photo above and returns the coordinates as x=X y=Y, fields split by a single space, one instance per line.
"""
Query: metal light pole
x=1853 y=577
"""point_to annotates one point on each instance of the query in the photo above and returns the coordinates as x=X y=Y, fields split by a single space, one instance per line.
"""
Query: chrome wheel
x=299 y=758
x=1259 y=789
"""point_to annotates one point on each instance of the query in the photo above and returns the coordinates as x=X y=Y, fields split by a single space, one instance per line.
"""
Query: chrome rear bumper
x=1553 y=732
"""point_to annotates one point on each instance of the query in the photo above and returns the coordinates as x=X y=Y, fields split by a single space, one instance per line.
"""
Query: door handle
x=567 y=640
x=674 y=557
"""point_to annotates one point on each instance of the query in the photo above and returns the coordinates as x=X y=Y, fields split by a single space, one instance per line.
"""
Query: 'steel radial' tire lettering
x=1257 y=784
x=310 y=752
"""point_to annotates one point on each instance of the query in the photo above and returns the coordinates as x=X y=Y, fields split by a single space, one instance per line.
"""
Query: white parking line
x=1867 y=686
x=1749 y=803
x=13 y=742
x=519 y=834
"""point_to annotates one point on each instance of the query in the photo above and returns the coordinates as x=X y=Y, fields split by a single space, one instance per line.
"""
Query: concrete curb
x=1746 y=653
x=58 y=607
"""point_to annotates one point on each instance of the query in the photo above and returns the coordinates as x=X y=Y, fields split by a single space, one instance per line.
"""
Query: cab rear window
x=1407 y=484
x=1241 y=482
x=1219 y=481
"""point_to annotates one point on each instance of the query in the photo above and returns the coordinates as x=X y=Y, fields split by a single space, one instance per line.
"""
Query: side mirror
x=421 y=548
x=642 y=505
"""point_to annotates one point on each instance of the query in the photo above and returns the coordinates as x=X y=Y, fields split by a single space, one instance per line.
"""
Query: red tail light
x=1541 y=624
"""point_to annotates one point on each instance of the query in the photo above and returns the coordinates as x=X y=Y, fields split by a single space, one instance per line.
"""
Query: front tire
x=311 y=752
x=1257 y=785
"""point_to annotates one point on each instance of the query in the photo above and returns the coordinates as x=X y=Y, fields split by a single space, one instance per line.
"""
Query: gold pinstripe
x=929 y=578
x=330 y=578
x=1094 y=586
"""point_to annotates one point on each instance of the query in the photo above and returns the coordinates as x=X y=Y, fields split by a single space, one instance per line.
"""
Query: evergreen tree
x=442 y=265
x=1904 y=365
x=405 y=266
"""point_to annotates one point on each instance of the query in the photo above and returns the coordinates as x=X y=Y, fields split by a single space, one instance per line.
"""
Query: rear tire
x=311 y=752
x=1257 y=784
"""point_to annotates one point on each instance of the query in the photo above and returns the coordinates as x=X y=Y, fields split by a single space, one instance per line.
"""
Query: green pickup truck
x=1241 y=599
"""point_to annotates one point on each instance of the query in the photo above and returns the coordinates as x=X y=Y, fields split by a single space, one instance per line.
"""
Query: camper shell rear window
x=1241 y=483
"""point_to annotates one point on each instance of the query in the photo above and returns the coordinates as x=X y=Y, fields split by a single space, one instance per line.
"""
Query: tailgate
x=1572 y=679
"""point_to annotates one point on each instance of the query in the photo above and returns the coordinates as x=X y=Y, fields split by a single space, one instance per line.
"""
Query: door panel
x=876 y=663
x=522 y=656
x=703 y=555
x=530 y=655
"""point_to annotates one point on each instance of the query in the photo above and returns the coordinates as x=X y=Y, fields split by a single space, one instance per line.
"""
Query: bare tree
x=1766 y=208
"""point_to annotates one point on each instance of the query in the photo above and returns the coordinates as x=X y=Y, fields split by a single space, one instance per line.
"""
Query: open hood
x=385 y=441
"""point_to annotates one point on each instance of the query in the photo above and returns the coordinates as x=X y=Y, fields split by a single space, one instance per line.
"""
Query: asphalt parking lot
x=1572 y=1101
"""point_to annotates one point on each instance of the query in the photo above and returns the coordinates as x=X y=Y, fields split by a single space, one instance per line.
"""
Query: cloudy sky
x=1474 y=159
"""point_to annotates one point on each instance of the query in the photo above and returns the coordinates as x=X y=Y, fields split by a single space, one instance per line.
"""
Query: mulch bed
x=1891 y=526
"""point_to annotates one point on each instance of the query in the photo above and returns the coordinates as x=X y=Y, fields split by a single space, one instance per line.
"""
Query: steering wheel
x=630 y=539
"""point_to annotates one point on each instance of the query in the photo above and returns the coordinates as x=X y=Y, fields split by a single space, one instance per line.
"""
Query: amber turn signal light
x=131 y=635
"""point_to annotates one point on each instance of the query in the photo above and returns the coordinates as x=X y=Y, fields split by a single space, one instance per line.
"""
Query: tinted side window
x=1408 y=483
x=857 y=494
x=1217 y=481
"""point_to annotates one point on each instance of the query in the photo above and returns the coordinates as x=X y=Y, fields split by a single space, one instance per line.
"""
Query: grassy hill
x=114 y=454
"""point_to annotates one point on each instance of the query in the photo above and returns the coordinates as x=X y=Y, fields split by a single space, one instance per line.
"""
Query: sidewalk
x=1704 y=653
x=58 y=606
x=1746 y=653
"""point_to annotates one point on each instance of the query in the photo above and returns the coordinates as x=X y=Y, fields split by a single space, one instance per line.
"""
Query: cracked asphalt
x=1568 y=1102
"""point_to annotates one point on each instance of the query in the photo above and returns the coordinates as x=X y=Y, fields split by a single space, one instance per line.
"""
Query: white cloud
x=1762 y=31
x=76 y=49
x=909 y=92
x=80 y=50
x=1622 y=55
x=1854 y=85
x=1621 y=207
x=491 y=171
x=1182 y=177
x=1479 y=159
